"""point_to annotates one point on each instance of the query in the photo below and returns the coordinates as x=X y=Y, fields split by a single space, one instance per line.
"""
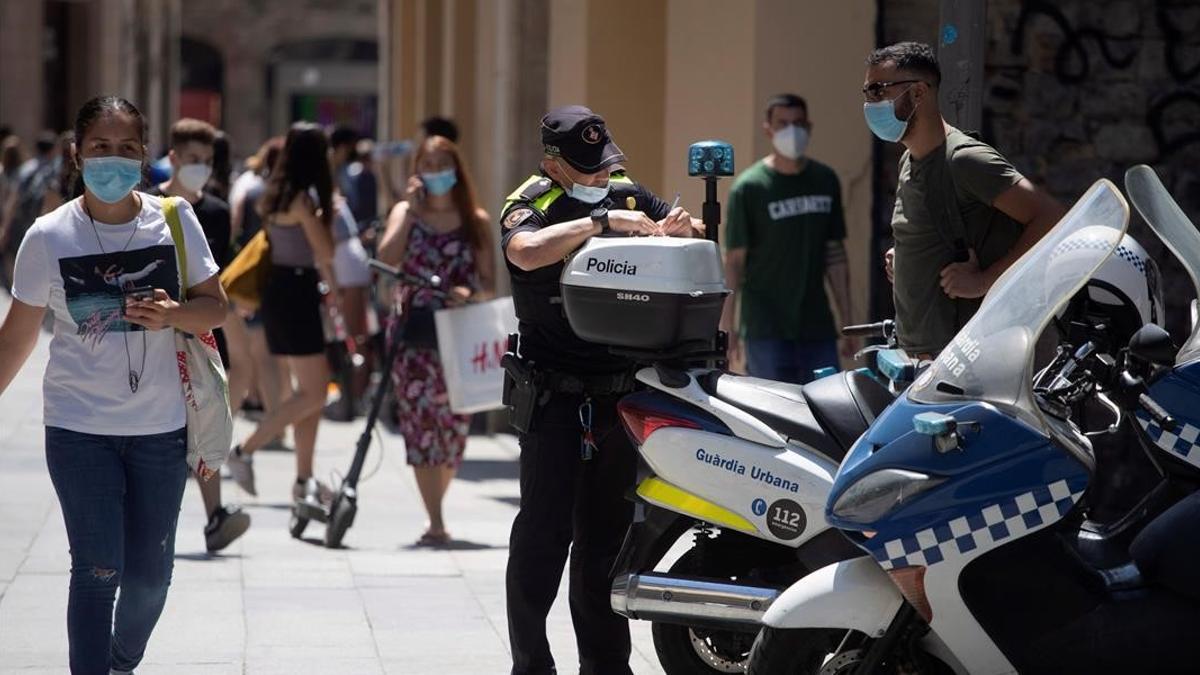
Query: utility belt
x=526 y=387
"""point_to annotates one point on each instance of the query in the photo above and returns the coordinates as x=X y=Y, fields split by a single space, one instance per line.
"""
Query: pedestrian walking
x=219 y=179
x=297 y=210
x=105 y=265
x=963 y=213
x=784 y=240
x=191 y=157
x=572 y=500
x=11 y=160
x=439 y=230
x=256 y=378
x=62 y=183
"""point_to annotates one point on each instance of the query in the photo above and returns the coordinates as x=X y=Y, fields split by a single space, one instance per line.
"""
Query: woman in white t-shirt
x=105 y=265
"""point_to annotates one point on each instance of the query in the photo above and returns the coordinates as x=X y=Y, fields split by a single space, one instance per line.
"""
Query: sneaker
x=312 y=491
x=241 y=468
x=226 y=525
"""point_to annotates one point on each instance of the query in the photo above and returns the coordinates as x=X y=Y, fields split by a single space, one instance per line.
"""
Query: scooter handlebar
x=434 y=281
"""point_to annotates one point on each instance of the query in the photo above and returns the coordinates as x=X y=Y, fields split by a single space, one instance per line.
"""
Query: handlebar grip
x=382 y=267
x=1161 y=417
x=867 y=329
x=433 y=282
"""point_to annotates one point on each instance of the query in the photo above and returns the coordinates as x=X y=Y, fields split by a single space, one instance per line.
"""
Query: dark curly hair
x=915 y=57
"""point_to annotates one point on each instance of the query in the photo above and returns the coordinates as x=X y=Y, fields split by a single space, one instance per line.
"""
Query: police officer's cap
x=579 y=136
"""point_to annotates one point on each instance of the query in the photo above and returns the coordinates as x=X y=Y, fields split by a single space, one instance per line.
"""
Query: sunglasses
x=874 y=91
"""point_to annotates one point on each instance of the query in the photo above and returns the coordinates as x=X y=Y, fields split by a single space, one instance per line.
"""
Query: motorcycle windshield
x=1164 y=216
x=991 y=358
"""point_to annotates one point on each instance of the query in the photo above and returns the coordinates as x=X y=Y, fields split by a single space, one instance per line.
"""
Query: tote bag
x=471 y=340
x=202 y=376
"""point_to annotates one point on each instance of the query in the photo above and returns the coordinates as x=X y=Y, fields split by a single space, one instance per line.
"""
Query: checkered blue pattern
x=1136 y=260
x=1180 y=442
x=1099 y=244
x=1010 y=518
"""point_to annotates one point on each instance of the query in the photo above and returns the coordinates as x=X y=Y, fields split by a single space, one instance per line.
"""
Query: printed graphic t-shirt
x=80 y=274
x=785 y=222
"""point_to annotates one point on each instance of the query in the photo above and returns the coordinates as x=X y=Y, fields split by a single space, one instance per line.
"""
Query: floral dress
x=433 y=435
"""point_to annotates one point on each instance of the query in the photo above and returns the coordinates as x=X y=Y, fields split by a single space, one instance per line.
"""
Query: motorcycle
x=748 y=464
x=978 y=471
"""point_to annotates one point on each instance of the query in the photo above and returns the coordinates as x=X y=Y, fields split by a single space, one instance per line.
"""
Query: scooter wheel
x=340 y=519
x=296 y=525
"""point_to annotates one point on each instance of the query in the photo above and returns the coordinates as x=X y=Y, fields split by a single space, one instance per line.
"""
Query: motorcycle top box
x=650 y=293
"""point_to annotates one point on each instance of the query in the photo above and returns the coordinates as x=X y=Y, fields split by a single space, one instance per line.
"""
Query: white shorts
x=350 y=264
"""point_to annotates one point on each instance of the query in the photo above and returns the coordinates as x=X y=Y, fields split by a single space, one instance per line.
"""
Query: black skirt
x=291 y=312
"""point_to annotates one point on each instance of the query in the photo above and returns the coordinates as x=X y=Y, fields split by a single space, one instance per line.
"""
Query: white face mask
x=194 y=176
x=791 y=141
x=584 y=193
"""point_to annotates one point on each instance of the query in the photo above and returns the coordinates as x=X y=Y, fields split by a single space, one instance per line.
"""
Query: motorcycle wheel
x=297 y=524
x=341 y=517
x=799 y=651
x=691 y=650
x=828 y=651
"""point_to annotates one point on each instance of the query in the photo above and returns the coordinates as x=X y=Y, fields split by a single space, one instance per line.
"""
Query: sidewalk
x=271 y=604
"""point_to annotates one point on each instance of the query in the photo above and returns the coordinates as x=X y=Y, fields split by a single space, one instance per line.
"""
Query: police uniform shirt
x=546 y=336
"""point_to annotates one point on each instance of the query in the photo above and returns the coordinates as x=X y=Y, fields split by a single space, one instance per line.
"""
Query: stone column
x=21 y=76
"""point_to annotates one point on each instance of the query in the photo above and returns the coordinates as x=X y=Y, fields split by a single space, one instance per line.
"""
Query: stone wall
x=1078 y=90
x=246 y=31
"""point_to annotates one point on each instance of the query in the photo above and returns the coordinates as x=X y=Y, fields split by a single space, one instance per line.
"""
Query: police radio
x=710 y=160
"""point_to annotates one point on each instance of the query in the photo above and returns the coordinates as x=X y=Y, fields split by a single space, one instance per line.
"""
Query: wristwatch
x=600 y=217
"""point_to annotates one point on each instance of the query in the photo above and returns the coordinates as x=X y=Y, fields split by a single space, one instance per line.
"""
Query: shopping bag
x=202 y=376
x=246 y=275
x=471 y=341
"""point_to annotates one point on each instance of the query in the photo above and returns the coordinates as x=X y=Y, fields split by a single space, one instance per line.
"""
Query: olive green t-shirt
x=785 y=221
x=927 y=319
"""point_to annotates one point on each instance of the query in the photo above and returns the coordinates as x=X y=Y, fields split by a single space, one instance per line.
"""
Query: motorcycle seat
x=779 y=405
x=846 y=404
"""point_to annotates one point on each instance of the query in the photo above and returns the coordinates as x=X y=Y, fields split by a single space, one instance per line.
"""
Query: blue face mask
x=585 y=193
x=110 y=179
x=881 y=119
x=440 y=182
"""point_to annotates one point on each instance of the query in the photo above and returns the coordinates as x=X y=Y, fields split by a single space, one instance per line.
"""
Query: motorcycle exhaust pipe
x=671 y=599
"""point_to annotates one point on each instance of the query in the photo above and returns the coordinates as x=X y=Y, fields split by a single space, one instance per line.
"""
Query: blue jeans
x=120 y=499
x=789 y=360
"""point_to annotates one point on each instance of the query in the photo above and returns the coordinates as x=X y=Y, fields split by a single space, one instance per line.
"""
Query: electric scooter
x=338 y=515
x=968 y=496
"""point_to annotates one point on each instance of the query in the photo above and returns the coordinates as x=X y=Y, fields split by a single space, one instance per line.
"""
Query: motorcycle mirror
x=1151 y=344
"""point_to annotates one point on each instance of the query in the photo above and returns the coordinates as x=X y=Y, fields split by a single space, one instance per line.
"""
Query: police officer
x=576 y=460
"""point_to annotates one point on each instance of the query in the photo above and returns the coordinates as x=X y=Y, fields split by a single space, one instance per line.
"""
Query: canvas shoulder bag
x=202 y=376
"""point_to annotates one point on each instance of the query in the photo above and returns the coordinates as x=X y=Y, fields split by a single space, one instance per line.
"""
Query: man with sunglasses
x=963 y=213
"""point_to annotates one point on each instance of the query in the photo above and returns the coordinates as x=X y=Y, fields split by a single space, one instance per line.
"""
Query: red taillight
x=640 y=422
x=911 y=582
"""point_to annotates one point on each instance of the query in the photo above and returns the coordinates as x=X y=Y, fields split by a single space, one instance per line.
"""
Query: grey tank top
x=289 y=246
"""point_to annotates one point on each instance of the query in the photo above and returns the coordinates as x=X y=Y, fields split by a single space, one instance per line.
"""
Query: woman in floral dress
x=439 y=230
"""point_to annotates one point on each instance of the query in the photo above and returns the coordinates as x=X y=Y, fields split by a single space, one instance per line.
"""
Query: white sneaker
x=241 y=468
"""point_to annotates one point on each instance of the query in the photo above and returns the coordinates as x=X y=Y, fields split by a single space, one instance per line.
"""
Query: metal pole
x=961 y=51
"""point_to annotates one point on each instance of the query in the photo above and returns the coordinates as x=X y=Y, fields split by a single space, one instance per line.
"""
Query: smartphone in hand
x=136 y=294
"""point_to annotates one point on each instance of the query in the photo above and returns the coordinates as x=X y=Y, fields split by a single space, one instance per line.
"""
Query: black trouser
x=570 y=504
